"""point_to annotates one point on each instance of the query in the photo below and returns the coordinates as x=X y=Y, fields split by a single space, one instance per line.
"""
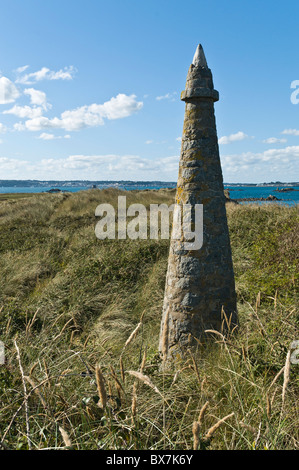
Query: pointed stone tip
x=199 y=59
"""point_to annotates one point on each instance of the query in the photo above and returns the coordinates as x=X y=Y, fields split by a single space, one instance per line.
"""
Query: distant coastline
x=284 y=193
x=116 y=183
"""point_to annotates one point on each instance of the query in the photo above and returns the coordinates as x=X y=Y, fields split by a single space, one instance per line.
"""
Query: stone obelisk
x=200 y=283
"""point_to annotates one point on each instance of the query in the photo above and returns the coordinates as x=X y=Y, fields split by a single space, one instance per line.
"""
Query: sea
x=289 y=198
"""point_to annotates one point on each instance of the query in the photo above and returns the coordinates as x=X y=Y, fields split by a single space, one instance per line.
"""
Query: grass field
x=15 y=196
x=76 y=377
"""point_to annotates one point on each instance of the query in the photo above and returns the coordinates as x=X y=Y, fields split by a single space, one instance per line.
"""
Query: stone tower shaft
x=200 y=283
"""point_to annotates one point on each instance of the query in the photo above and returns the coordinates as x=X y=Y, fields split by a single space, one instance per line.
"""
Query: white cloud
x=148 y=142
x=272 y=164
x=93 y=167
x=179 y=139
x=88 y=116
x=232 y=138
x=19 y=126
x=291 y=132
x=46 y=74
x=283 y=163
x=8 y=91
x=274 y=140
x=117 y=107
x=12 y=165
x=287 y=154
x=37 y=97
x=127 y=165
x=2 y=128
x=22 y=69
x=168 y=96
x=47 y=136
x=25 y=112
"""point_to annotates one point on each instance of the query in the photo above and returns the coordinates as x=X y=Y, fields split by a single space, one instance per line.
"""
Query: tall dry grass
x=85 y=316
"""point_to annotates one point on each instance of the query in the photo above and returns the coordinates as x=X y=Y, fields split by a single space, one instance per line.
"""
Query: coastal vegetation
x=80 y=320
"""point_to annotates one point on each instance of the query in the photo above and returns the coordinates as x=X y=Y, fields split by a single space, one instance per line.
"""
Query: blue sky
x=91 y=89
